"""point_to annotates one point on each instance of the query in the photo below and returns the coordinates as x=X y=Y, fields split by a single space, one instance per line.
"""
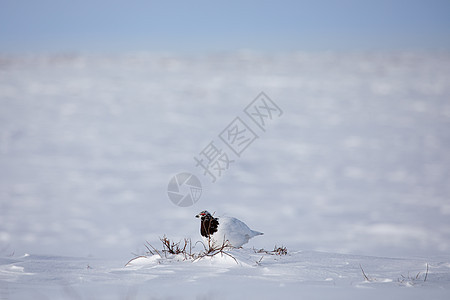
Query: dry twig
x=364 y=274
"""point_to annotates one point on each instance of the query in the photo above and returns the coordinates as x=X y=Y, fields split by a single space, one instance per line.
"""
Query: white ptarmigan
x=225 y=230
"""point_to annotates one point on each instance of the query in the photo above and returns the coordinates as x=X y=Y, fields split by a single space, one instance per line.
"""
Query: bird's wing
x=235 y=226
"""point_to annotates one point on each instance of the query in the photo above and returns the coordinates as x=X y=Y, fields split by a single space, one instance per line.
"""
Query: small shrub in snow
x=212 y=249
x=412 y=280
x=276 y=251
x=184 y=249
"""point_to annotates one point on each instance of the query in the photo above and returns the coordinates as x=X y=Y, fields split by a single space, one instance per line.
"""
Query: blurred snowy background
x=92 y=128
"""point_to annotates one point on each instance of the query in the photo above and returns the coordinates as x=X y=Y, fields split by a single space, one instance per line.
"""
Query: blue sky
x=202 y=26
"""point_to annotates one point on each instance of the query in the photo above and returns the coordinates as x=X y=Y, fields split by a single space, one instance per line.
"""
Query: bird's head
x=203 y=214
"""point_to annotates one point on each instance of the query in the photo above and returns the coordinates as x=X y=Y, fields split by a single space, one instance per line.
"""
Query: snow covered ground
x=358 y=164
x=316 y=275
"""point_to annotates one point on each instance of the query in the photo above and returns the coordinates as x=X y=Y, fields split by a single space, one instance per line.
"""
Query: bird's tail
x=255 y=233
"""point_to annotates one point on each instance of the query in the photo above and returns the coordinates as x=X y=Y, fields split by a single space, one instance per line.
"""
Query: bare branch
x=426 y=274
x=364 y=274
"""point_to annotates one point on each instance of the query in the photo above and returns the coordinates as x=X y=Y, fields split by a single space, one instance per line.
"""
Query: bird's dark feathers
x=208 y=225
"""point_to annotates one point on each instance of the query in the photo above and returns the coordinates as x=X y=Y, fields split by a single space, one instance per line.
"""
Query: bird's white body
x=233 y=232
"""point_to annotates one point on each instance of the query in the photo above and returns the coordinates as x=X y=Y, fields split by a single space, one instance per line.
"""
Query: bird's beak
x=197 y=216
